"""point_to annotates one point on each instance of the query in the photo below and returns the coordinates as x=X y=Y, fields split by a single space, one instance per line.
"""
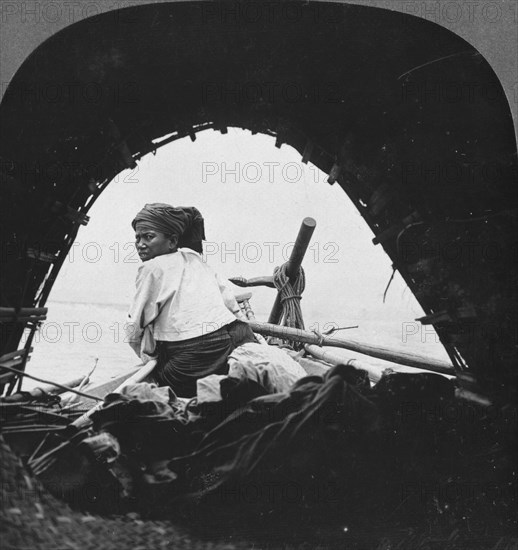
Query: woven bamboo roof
x=408 y=118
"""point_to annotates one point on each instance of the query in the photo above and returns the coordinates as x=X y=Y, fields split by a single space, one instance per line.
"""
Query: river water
x=75 y=335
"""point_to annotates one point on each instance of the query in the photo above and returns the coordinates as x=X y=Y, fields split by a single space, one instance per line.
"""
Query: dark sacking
x=332 y=447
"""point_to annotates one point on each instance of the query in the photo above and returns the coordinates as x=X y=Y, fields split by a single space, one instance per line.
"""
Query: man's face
x=151 y=243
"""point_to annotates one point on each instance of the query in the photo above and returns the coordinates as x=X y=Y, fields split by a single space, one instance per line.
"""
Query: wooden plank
x=23 y=319
x=27 y=311
x=12 y=359
x=40 y=255
x=12 y=362
x=334 y=173
x=13 y=354
x=22 y=315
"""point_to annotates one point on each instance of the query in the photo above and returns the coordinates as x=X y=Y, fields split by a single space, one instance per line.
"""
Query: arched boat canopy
x=408 y=118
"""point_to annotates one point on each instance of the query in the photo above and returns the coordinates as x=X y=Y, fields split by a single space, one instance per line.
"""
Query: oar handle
x=295 y=261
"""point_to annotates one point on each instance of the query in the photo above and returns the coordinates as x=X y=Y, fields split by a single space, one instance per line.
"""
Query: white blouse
x=178 y=297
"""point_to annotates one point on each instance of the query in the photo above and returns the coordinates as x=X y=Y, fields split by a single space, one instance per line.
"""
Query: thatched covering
x=407 y=118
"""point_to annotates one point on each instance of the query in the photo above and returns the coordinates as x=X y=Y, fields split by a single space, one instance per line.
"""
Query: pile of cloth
x=266 y=436
x=254 y=370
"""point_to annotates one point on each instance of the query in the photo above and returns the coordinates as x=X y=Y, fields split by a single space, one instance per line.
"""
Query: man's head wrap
x=184 y=221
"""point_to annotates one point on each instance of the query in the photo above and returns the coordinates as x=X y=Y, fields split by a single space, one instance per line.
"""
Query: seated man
x=183 y=313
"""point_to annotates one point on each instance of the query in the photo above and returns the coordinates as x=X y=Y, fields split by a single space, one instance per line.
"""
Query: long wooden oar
x=142 y=373
x=387 y=354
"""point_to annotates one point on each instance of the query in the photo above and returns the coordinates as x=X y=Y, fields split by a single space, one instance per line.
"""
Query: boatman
x=183 y=314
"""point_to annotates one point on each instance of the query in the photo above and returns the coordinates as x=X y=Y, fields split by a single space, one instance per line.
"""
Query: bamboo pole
x=375 y=373
x=387 y=354
x=68 y=400
x=250 y=315
x=40 y=391
x=23 y=374
x=338 y=359
x=138 y=376
x=297 y=255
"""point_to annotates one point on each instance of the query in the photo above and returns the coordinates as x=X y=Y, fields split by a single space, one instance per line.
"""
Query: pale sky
x=253 y=197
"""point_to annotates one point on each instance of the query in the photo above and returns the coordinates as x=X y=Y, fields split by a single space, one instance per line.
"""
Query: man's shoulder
x=159 y=264
x=167 y=262
x=191 y=257
x=189 y=252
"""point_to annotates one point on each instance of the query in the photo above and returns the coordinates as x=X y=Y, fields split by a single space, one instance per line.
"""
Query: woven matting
x=32 y=518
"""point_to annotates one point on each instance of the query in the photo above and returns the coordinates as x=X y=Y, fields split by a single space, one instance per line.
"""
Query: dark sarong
x=181 y=363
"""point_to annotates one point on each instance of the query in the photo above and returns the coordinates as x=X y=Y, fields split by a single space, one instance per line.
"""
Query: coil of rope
x=290 y=294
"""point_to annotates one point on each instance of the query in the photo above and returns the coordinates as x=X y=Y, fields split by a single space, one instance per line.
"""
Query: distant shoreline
x=389 y=314
x=90 y=302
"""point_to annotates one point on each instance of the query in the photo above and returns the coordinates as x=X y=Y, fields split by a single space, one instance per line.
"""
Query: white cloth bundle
x=269 y=366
